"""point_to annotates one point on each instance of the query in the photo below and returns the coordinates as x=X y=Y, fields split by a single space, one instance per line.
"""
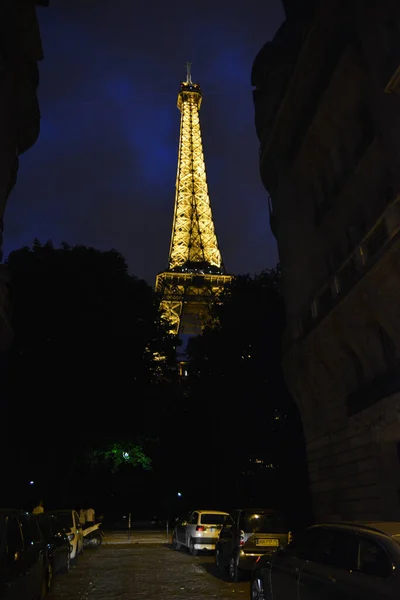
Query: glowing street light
x=179 y=495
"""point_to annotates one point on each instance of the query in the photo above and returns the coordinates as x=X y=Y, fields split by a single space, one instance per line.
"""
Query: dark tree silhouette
x=255 y=436
x=82 y=362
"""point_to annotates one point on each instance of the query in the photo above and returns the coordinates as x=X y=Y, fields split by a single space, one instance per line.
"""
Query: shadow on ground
x=212 y=569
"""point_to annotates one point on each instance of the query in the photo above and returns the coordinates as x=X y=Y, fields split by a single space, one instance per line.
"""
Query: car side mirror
x=184 y=523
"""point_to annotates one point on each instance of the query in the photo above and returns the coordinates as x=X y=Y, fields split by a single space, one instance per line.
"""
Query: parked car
x=69 y=521
x=24 y=569
x=334 y=561
x=57 y=542
x=200 y=531
x=246 y=535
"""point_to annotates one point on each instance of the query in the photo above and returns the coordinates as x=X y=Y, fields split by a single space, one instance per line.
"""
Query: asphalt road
x=146 y=568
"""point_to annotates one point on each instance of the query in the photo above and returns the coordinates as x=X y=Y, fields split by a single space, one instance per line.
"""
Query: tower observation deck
x=195 y=274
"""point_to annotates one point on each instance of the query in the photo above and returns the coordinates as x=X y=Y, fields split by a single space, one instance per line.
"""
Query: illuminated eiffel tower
x=195 y=273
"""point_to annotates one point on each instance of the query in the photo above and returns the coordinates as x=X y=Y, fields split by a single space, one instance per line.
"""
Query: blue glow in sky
x=103 y=170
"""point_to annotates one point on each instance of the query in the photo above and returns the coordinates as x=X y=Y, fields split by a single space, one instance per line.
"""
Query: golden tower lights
x=195 y=272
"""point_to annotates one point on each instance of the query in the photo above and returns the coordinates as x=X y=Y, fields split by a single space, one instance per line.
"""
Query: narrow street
x=144 y=569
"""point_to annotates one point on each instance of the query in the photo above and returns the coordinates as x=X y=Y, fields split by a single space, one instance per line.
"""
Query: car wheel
x=234 y=571
x=175 y=544
x=257 y=589
x=43 y=588
x=192 y=549
x=218 y=559
x=49 y=576
x=67 y=566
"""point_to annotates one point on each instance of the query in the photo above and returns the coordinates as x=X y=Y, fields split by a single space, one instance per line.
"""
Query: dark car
x=24 y=569
x=334 y=561
x=57 y=542
x=247 y=534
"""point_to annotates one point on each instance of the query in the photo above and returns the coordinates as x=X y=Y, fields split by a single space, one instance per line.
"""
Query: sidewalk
x=135 y=537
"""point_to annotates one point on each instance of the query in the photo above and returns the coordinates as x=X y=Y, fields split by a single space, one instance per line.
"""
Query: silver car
x=200 y=531
x=334 y=561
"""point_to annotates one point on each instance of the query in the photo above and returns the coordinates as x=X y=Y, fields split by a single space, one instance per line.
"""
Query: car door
x=78 y=532
x=34 y=549
x=331 y=562
x=191 y=527
x=285 y=571
x=226 y=539
x=373 y=579
x=15 y=582
x=181 y=530
x=56 y=538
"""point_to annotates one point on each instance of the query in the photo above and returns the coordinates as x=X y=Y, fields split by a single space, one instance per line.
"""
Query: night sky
x=103 y=170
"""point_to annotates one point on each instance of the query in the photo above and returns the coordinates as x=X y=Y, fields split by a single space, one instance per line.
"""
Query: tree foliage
x=255 y=446
x=116 y=452
x=83 y=324
x=82 y=363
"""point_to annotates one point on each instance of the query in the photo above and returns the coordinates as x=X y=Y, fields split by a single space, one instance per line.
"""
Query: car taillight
x=241 y=540
x=199 y=528
x=289 y=537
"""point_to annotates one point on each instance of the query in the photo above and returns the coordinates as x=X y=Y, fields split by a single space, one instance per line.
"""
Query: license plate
x=212 y=529
x=261 y=542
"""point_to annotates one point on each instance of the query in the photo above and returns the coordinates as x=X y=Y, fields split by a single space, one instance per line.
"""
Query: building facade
x=20 y=52
x=327 y=112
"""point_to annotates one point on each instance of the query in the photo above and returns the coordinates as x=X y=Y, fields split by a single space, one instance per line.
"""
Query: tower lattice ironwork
x=195 y=273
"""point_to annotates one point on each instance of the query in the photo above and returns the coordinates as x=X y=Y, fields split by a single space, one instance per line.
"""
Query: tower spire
x=188 y=72
x=195 y=272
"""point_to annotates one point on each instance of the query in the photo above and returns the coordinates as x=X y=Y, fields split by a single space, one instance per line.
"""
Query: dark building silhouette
x=327 y=114
x=20 y=51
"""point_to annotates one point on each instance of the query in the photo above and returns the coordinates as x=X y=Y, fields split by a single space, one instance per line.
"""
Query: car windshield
x=212 y=519
x=263 y=523
x=45 y=525
x=65 y=519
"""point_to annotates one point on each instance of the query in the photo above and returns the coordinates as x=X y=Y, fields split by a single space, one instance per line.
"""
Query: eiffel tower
x=195 y=273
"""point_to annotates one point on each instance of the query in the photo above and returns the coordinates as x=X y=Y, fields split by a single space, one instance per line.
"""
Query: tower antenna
x=188 y=72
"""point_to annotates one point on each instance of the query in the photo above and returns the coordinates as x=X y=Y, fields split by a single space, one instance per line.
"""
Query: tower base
x=187 y=298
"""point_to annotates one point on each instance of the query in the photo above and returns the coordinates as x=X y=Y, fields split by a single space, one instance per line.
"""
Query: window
x=30 y=529
x=312 y=544
x=211 y=519
x=330 y=547
x=343 y=551
x=65 y=519
x=46 y=522
x=14 y=536
x=262 y=523
x=373 y=560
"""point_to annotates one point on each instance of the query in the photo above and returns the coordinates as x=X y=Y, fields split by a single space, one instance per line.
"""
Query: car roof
x=13 y=511
x=389 y=528
x=257 y=510
x=212 y=512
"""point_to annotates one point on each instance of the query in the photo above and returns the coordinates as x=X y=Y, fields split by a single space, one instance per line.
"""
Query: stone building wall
x=327 y=101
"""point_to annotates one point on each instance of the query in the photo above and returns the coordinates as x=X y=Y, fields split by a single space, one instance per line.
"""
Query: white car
x=200 y=531
x=69 y=521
